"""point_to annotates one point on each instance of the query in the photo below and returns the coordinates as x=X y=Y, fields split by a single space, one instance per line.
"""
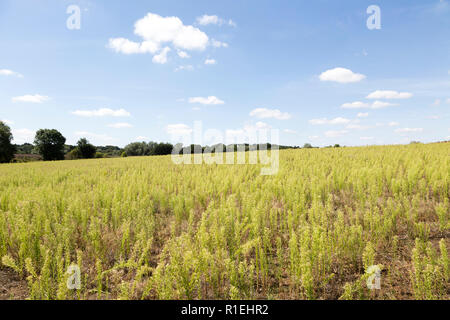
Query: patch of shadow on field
x=11 y=286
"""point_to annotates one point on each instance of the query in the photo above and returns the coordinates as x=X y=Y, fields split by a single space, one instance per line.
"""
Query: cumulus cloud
x=264 y=113
x=290 y=131
x=409 y=130
x=21 y=136
x=247 y=134
x=142 y=138
x=6 y=72
x=381 y=105
x=215 y=20
x=160 y=30
x=258 y=126
x=323 y=121
x=363 y=115
x=389 y=94
x=210 y=61
x=341 y=75
x=393 y=124
x=125 y=46
x=161 y=58
x=120 y=125
x=37 y=98
x=157 y=33
x=362 y=105
x=211 y=100
x=103 y=112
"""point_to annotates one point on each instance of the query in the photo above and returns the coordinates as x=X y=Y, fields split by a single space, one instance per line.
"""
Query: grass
x=145 y=228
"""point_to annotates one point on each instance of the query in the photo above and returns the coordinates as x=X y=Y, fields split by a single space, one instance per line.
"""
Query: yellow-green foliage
x=146 y=228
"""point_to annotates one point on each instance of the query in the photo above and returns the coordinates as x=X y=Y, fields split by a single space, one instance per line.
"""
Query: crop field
x=145 y=228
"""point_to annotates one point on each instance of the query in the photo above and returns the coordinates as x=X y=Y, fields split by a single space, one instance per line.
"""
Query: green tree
x=307 y=146
x=86 y=149
x=50 y=144
x=137 y=149
x=7 y=149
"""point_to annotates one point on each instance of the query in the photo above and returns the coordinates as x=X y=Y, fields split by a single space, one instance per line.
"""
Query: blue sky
x=141 y=70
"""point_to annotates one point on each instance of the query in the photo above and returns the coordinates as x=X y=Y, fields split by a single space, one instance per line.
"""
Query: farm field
x=145 y=228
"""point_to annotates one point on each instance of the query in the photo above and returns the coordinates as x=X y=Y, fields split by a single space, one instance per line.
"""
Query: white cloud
x=313 y=137
x=126 y=46
x=290 y=131
x=21 y=136
x=211 y=100
x=437 y=102
x=388 y=94
x=448 y=100
x=258 y=126
x=31 y=98
x=120 y=125
x=335 y=134
x=157 y=31
x=264 y=113
x=323 y=121
x=341 y=75
x=161 y=58
x=186 y=67
x=380 y=105
x=393 y=124
x=408 y=130
x=366 y=138
x=210 y=61
x=6 y=72
x=363 y=115
x=213 y=19
x=103 y=112
x=183 y=54
x=355 y=105
x=435 y=117
x=247 y=133
x=205 y=20
x=362 y=105
x=219 y=44
x=142 y=138
x=178 y=129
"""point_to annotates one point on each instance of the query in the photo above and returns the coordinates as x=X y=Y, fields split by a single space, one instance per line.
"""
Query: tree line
x=50 y=145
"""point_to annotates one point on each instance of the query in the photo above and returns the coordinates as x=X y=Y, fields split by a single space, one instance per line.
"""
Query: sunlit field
x=145 y=228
